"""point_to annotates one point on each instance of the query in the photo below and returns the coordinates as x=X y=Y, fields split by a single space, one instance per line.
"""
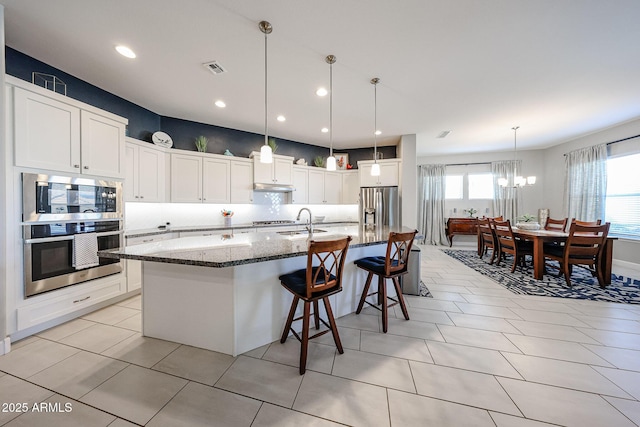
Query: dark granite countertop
x=227 y=250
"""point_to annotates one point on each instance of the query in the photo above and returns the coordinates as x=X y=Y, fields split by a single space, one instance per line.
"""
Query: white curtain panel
x=585 y=184
x=506 y=200
x=431 y=197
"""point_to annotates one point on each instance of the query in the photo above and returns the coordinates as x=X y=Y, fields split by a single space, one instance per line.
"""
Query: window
x=622 y=208
x=453 y=187
x=481 y=186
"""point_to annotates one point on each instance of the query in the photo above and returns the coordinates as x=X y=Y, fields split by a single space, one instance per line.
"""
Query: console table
x=461 y=226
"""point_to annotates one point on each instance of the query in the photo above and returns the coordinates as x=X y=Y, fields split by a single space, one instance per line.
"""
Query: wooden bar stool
x=391 y=266
x=314 y=283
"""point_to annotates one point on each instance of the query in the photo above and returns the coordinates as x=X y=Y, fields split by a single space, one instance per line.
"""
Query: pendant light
x=518 y=180
x=331 y=160
x=266 y=154
x=375 y=168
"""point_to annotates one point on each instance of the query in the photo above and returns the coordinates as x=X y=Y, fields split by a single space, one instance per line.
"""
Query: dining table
x=540 y=237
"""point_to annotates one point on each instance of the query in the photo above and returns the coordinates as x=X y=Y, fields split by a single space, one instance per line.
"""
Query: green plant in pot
x=272 y=143
x=201 y=144
x=319 y=161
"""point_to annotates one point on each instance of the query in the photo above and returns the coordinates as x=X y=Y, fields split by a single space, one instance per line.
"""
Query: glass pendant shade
x=266 y=155
x=331 y=163
x=375 y=169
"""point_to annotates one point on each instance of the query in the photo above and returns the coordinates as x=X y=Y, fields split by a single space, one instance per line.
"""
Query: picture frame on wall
x=342 y=160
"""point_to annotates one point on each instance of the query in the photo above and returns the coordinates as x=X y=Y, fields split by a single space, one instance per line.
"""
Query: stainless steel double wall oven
x=55 y=209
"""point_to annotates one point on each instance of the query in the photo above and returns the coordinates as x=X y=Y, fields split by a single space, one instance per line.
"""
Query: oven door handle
x=62 y=238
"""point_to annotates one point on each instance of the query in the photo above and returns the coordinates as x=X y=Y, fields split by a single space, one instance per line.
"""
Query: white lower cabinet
x=47 y=307
x=134 y=267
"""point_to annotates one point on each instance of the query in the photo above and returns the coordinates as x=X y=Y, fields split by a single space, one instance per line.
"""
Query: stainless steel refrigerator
x=379 y=206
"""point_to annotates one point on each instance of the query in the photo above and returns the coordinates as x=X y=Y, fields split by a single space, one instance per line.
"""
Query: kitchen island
x=222 y=293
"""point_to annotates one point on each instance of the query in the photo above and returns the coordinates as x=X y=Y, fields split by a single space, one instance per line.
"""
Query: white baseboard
x=5 y=346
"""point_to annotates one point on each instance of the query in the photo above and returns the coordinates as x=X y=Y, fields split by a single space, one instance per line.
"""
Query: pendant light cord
x=375 y=82
x=331 y=108
x=265 y=91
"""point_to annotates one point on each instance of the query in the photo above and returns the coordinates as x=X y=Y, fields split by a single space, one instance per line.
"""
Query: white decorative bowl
x=531 y=226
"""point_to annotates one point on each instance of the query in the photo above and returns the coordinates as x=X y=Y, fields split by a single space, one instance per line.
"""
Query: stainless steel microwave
x=47 y=198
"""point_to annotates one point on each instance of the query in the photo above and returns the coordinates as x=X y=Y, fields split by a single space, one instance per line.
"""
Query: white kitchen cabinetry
x=53 y=132
x=197 y=178
x=324 y=187
x=146 y=169
x=350 y=187
x=241 y=177
x=300 y=193
x=278 y=172
x=389 y=173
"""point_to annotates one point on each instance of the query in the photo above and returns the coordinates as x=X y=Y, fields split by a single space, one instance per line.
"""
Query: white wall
x=409 y=180
x=6 y=166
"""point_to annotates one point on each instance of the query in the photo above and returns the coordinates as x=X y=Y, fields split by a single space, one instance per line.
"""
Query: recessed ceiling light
x=378 y=132
x=321 y=92
x=220 y=103
x=281 y=118
x=324 y=130
x=125 y=51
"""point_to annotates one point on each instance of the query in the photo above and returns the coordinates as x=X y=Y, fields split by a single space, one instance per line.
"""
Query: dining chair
x=509 y=244
x=556 y=224
x=597 y=222
x=486 y=239
x=583 y=247
x=391 y=266
x=321 y=278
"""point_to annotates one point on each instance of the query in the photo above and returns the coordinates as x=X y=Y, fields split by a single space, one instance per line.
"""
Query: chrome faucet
x=310 y=227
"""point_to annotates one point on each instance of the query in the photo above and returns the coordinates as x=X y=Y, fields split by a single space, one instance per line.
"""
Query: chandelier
x=518 y=180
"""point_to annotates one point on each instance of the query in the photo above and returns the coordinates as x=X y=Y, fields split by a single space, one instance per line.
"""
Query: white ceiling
x=557 y=69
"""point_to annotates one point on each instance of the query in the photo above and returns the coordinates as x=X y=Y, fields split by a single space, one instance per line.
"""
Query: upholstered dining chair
x=321 y=278
x=583 y=247
x=509 y=244
x=391 y=266
x=486 y=238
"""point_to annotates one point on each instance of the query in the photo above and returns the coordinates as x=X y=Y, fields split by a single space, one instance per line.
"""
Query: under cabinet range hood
x=273 y=188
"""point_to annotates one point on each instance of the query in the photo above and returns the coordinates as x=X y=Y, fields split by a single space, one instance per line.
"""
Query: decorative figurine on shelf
x=471 y=212
x=349 y=166
x=301 y=162
x=227 y=217
x=227 y=152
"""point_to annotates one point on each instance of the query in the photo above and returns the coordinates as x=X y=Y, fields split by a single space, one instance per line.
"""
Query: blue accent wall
x=143 y=122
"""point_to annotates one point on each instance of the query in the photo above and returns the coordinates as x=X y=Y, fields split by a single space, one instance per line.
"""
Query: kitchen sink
x=298 y=232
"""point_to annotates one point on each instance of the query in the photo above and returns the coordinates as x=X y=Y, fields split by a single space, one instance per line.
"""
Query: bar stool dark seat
x=314 y=283
x=391 y=266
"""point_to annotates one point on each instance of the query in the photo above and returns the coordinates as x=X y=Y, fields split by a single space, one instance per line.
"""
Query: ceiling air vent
x=443 y=134
x=214 y=67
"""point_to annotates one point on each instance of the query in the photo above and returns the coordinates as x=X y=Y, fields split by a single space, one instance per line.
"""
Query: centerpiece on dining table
x=526 y=222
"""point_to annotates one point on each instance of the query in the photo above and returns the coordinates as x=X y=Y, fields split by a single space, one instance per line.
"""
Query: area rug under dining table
x=584 y=285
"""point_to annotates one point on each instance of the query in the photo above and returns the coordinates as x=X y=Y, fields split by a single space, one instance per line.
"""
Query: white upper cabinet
x=215 y=181
x=350 y=187
x=389 y=173
x=300 y=193
x=200 y=178
x=324 y=187
x=241 y=177
x=186 y=178
x=145 y=179
x=278 y=172
x=53 y=132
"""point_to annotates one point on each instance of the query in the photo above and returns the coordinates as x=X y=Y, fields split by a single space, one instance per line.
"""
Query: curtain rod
x=615 y=142
x=468 y=164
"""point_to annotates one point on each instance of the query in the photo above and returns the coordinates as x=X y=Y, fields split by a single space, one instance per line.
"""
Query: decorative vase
x=227 y=221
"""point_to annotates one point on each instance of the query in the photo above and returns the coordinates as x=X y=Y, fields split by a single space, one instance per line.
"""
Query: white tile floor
x=475 y=354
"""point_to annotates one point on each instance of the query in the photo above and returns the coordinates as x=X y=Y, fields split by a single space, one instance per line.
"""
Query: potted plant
x=471 y=212
x=526 y=222
x=201 y=144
